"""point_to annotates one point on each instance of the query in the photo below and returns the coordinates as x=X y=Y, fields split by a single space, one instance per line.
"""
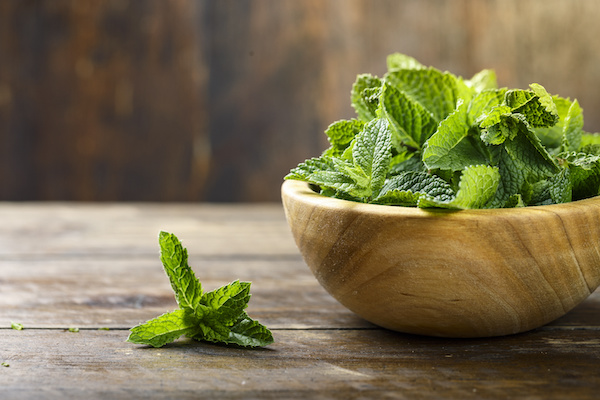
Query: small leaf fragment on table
x=16 y=326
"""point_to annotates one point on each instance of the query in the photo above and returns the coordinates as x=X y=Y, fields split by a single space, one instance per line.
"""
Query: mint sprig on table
x=427 y=138
x=215 y=316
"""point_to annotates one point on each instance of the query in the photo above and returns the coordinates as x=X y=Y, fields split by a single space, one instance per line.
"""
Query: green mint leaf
x=339 y=182
x=483 y=104
x=210 y=329
x=527 y=149
x=554 y=190
x=547 y=117
x=365 y=96
x=536 y=105
x=590 y=139
x=483 y=80
x=213 y=316
x=476 y=188
x=553 y=137
x=410 y=122
x=452 y=146
x=585 y=173
x=560 y=188
x=406 y=161
x=401 y=61
x=572 y=127
x=521 y=160
x=308 y=167
x=228 y=301
x=372 y=153
x=498 y=125
x=406 y=188
x=515 y=201
x=16 y=326
x=340 y=134
x=535 y=108
x=365 y=174
x=435 y=90
x=164 y=329
x=243 y=332
x=187 y=288
x=249 y=333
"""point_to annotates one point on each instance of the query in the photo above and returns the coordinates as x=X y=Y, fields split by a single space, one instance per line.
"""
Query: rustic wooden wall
x=215 y=100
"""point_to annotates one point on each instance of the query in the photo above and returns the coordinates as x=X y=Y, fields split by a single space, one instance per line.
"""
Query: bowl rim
x=301 y=191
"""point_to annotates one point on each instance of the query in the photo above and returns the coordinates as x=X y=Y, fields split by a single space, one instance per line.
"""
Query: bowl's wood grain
x=470 y=273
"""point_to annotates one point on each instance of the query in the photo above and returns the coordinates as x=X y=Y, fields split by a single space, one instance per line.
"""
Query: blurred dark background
x=215 y=100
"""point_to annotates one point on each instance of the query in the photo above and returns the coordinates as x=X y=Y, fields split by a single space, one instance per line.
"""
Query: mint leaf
x=585 y=174
x=344 y=180
x=164 y=329
x=534 y=108
x=482 y=104
x=433 y=89
x=308 y=167
x=183 y=281
x=16 y=326
x=364 y=174
x=411 y=123
x=499 y=124
x=520 y=161
x=248 y=332
x=406 y=161
x=228 y=302
x=402 y=61
x=452 y=146
x=243 y=332
x=554 y=190
x=515 y=201
x=572 y=127
x=407 y=188
x=560 y=187
x=340 y=134
x=483 y=80
x=536 y=105
x=365 y=96
x=553 y=137
x=476 y=188
x=590 y=139
x=372 y=153
x=215 y=316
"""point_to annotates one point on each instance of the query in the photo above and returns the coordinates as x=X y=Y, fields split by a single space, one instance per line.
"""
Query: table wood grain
x=95 y=267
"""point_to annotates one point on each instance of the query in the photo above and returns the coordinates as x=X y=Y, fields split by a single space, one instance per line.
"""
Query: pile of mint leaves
x=427 y=138
x=217 y=316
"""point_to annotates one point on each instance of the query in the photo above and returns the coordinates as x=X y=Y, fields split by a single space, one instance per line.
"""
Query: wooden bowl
x=469 y=273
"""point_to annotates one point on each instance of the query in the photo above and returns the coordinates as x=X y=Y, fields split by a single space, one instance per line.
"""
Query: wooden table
x=96 y=266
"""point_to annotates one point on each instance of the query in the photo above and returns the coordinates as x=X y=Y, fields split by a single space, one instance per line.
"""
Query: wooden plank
x=129 y=229
x=320 y=364
x=82 y=264
x=122 y=292
x=93 y=266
